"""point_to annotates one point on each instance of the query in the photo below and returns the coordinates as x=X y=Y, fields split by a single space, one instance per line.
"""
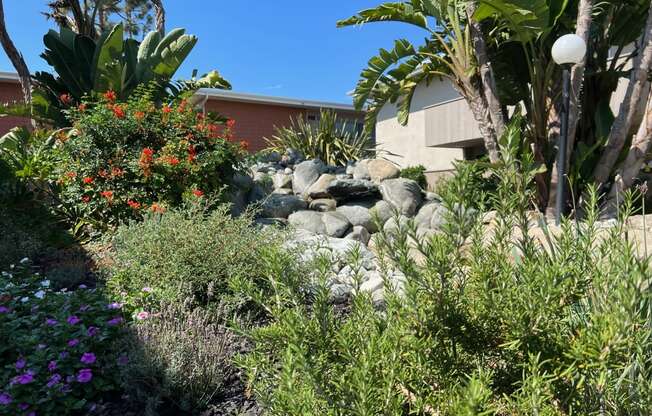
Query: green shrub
x=126 y=158
x=188 y=256
x=330 y=141
x=488 y=321
x=179 y=361
x=417 y=174
x=57 y=347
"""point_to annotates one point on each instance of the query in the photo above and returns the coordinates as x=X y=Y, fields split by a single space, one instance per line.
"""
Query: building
x=255 y=116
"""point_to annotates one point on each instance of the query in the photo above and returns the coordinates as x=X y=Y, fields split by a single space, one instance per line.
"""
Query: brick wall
x=10 y=92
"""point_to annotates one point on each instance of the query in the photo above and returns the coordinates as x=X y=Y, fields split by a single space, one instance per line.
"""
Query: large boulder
x=358 y=215
x=344 y=189
x=309 y=221
x=319 y=189
x=361 y=170
x=281 y=206
x=382 y=211
x=306 y=173
x=430 y=216
x=282 y=180
x=336 y=224
x=404 y=194
x=380 y=170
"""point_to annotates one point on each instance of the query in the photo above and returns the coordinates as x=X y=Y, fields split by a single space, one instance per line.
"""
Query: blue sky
x=272 y=47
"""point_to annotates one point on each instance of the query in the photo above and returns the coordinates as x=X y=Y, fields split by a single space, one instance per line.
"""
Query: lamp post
x=567 y=51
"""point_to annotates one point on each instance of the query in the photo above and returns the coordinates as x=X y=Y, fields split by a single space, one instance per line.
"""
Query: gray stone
x=382 y=211
x=423 y=218
x=345 y=189
x=358 y=215
x=283 y=191
x=281 y=206
x=243 y=181
x=338 y=249
x=336 y=224
x=288 y=171
x=431 y=196
x=340 y=292
x=361 y=171
x=392 y=225
x=260 y=189
x=404 y=194
x=308 y=220
x=305 y=174
x=319 y=189
x=282 y=180
x=323 y=205
x=291 y=157
x=238 y=198
x=268 y=222
x=273 y=157
x=374 y=283
x=380 y=169
x=360 y=234
x=350 y=168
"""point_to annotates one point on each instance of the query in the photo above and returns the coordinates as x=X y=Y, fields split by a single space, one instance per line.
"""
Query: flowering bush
x=126 y=158
x=56 y=346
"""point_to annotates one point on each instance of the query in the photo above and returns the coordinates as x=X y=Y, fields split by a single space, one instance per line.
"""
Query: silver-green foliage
x=330 y=141
x=489 y=322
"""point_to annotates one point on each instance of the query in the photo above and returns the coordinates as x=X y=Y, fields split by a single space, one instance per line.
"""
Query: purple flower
x=82 y=286
x=66 y=388
x=147 y=289
x=115 y=321
x=20 y=364
x=123 y=360
x=88 y=358
x=84 y=375
x=52 y=365
x=73 y=342
x=63 y=354
x=51 y=322
x=54 y=380
x=73 y=320
x=31 y=414
x=23 y=406
x=92 y=331
x=5 y=399
x=114 y=305
x=26 y=378
x=4 y=309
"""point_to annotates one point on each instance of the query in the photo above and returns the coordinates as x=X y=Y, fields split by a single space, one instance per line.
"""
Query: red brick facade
x=253 y=120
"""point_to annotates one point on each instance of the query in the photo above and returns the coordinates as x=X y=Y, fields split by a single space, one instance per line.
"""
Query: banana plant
x=83 y=67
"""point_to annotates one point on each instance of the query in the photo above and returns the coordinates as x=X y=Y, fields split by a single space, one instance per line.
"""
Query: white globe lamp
x=569 y=49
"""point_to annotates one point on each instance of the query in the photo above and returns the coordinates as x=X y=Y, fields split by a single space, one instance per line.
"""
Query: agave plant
x=330 y=141
x=84 y=66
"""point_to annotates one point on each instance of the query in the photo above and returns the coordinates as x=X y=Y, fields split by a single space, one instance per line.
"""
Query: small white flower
x=45 y=283
x=24 y=299
x=24 y=260
x=40 y=294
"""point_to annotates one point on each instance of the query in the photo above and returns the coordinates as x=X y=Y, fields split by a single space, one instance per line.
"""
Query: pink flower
x=84 y=375
x=88 y=358
x=73 y=320
x=147 y=289
x=141 y=316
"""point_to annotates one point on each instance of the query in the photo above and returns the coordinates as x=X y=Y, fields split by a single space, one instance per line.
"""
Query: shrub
x=126 y=158
x=330 y=141
x=179 y=362
x=488 y=321
x=188 y=256
x=56 y=347
x=417 y=174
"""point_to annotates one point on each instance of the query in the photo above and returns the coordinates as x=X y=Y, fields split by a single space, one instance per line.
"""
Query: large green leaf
x=389 y=12
x=172 y=56
x=527 y=19
x=64 y=62
x=108 y=60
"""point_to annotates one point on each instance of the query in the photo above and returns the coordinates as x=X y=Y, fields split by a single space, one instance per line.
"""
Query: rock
x=243 y=181
x=425 y=215
x=336 y=224
x=291 y=157
x=345 y=189
x=281 y=206
x=358 y=215
x=361 y=171
x=338 y=249
x=264 y=167
x=270 y=157
x=238 y=198
x=404 y=194
x=282 y=181
x=360 y=234
x=431 y=196
x=374 y=283
x=392 y=225
x=380 y=169
x=382 y=211
x=288 y=171
x=283 y=191
x=340 y=292
x=268 y=222
x=308 y=220
x=350 y=168
x=305 y=174
x=260 y=190
x=323 y=205
x=319 y=189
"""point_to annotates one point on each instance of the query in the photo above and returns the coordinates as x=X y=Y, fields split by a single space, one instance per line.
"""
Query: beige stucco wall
x=406 y=145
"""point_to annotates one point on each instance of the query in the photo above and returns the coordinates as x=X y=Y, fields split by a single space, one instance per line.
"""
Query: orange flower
x=230 y=123
x=81 y=107
x=173 y=161
x=192 y=153
x=86 y=199
x=65 y=99
x=200 y=116
x=116 y=171
x=157 y=208
x=107 y=194
x=198 y=193
x=118 y=111
x=139 y=115
x=244 y=145
x=148 y=152
x=133 y=204
x=145 y=161
x=110 y=96
x=88 y=180
x=166 y=109
x=71 y=174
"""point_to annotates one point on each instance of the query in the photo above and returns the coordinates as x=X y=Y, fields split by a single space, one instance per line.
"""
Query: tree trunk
x=16 y=58
x=486 y=73
x=160 y=16
x=627 y=111
x=629 y=170
x=584 y=19
x=480 y=111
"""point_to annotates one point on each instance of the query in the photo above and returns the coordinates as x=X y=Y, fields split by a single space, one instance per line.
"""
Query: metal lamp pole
x=563 y=145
